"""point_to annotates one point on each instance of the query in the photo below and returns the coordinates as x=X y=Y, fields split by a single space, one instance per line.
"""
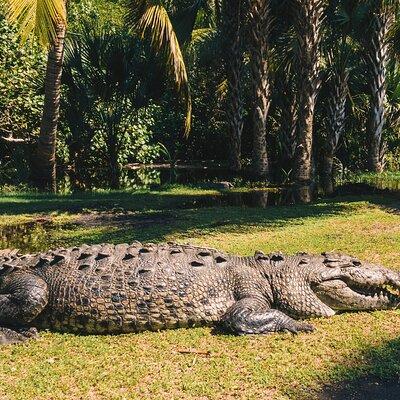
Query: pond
x=254 y=198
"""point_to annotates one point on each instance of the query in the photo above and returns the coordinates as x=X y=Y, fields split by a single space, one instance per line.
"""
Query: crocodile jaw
x=340 y=296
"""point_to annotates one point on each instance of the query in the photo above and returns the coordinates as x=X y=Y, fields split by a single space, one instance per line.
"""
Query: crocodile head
x=345 y=284
x=318 y=286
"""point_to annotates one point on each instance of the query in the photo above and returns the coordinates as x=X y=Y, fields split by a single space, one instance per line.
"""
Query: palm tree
x=232 y=14
x=377 y=57
x=47 y=20
x=285 y=94
x=308 y=23
x=150 y=18
x=336 y=114
x=259 y=27
x=104 y=75
x=287 y=99
x=371 y=22
x=337 y=53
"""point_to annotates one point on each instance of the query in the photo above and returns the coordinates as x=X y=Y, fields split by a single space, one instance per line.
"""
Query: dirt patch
x=127 y=219
x=366 y=388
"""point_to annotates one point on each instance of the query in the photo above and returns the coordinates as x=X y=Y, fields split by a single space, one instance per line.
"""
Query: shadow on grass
x=152 y=216
x=377 y=377
x=157 y=225
x=75 y=203
x=210 y=220
x=385 y=198
x=143 y=216
x=142 y=201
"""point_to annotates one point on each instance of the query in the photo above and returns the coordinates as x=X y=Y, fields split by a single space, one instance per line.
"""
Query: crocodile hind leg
x=253 y=316
x=22 y=298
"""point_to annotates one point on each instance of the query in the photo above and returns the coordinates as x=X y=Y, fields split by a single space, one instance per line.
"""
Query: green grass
x=386 y=180
x=346 y=347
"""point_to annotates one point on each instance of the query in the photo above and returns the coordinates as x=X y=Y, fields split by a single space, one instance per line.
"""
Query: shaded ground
x=368 y=388
x=128 y=219
x=380 y=380
x=346 y=355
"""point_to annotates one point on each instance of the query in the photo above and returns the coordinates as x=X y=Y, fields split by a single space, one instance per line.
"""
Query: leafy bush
x=107 y=117
x=21 y=101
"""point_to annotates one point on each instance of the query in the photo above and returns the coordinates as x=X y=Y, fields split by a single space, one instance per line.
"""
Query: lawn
x=352 y=349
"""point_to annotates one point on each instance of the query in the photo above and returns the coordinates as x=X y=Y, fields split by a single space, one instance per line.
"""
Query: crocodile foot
x=299 y=326
x=11 y=336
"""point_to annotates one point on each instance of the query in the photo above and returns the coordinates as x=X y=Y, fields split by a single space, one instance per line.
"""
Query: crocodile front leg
x=11 y=336
x=22 y=298
x=253 y=316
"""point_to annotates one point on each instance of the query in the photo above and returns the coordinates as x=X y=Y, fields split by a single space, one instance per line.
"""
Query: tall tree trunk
x=115 y=175
x=288 y=122
x=44 y=174
x=336 y=124
x=260 y=24
x=232 y=14
x=308 y=24
x=377 y=57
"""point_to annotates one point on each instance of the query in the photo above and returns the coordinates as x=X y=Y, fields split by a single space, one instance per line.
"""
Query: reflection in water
x=256 y=198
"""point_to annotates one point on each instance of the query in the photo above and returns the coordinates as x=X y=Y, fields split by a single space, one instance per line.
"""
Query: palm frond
x=40 y=17
x=184 y=21
x=149 y=17
x=201 y=34
x=200 y=37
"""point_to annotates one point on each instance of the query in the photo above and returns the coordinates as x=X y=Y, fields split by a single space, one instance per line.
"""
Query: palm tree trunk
x=377 y=58
x=259 y=22
x=336 y=125
x=288 y=122
x=232 y=13
x=44 y=174
x=309 y=17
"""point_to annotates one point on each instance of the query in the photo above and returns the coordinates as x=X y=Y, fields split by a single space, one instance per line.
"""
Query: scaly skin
x=130 y=288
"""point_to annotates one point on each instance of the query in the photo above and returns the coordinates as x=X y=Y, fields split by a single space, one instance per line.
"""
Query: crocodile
x=111 y=289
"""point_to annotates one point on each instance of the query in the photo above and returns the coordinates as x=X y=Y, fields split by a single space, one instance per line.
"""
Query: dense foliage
x=120 y=104
x=107 y=115
x=21 y=100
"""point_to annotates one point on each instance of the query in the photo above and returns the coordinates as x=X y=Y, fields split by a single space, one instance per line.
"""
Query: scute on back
x=85 y=257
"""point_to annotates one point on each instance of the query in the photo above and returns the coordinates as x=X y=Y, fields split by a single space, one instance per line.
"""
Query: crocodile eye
x=262 y=257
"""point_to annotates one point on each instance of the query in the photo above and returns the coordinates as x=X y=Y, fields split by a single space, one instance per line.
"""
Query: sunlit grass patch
x=154 y=364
